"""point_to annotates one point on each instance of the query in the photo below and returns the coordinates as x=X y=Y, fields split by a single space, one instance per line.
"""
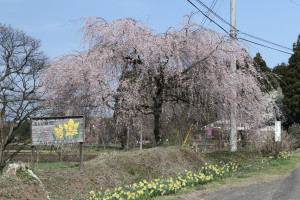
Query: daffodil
x=59 y=131
x=71 y=128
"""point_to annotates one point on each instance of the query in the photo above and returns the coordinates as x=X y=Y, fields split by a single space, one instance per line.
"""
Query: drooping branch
x=130 y=70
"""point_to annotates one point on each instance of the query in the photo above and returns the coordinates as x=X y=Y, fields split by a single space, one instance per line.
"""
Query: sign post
x=57 y=130
x=32 y=157
x=277 y=131
x=81 y=156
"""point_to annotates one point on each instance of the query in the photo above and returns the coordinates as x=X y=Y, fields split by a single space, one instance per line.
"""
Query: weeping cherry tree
x=129 y=71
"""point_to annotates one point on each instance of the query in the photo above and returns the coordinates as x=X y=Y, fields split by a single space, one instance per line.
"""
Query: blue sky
x=52 y=21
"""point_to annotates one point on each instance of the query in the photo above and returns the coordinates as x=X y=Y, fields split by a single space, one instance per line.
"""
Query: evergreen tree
x=260 y=64
x=268 y=80
x=280 y=69
x=23 y=131
x=291 y=86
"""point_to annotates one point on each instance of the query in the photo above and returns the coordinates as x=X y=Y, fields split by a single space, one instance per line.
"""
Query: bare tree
x=21 y=61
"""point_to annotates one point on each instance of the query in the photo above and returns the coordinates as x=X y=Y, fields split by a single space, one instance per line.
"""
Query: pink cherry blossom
x=128 y=70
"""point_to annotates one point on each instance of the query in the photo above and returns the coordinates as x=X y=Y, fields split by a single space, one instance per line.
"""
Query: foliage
x=260 y=64
x=269 y=82
x=267 y=146
x=280 y=69
x=291 y=84
x=294 y=130
x=128 y=71
x=208 y=173
x=23 y=131
x=21 y=62
x=54 y=165
x=161 y=187
x=25 y=176
x=111 y=171
x=267 y=79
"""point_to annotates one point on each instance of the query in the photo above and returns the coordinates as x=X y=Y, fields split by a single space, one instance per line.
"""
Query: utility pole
x=233 y=131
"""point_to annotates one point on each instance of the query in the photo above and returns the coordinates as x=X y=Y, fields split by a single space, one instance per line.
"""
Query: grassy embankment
x=253 y=169
x=117 y=169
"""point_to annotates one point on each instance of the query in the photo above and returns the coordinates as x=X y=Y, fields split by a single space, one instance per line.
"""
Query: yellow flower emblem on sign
x=59 y=131
x=71 y=128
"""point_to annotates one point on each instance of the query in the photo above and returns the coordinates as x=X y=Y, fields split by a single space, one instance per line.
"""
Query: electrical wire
x=220 y=18
x=208 y=13
x=243 y=32
x=295 y=3
x=208 y=17
x=266 y=41
x=211 y=7
x=249 y=35
x=264 y=46
x=237 y=38
x=217 y=10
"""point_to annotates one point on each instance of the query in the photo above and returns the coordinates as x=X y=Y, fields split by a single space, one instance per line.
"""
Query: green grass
x=25 y=176
x=50 y=165
x=95 y=150
x=255 y=172
x=54 y=165
x=243 y=176
x=241 y=157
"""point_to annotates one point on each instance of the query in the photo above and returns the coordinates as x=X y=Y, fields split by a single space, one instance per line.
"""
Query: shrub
x=266 y=144
x=294 y=130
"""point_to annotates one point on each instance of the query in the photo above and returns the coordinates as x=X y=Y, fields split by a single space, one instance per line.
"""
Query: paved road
x=281 y=189
x=289 y=187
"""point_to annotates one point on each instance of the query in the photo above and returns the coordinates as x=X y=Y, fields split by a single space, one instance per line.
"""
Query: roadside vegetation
x=215 y=171
x=166 y=171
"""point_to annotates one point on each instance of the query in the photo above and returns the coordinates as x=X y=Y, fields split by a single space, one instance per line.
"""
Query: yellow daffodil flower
x=71 y=128
x=59 y=131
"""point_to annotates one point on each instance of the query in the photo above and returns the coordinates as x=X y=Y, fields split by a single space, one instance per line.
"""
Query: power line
x=217 y=10
x=223 y=20
x=295 y=3
x=238 y=38
x=208 y=13
x=264 y=46
x=220 y=18
x=208 y=17
x=213 y=4
x=266 y=41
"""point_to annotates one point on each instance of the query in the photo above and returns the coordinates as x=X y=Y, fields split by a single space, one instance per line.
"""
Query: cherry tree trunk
x=1 y=159
x=157 y=109
x=123 y=138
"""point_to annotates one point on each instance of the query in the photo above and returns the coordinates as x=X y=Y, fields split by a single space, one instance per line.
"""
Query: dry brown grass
x=106 y=171
x=267 y=146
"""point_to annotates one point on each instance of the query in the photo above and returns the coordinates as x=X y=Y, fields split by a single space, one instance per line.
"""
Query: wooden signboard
x=57 y=130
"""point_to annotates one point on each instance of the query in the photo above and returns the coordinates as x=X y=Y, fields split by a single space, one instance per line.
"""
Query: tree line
x=286 y=77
